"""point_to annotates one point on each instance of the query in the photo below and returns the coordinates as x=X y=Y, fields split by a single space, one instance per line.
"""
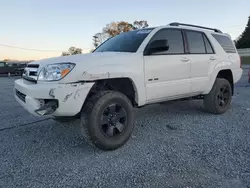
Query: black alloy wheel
x=113 y=120
x=107 y=120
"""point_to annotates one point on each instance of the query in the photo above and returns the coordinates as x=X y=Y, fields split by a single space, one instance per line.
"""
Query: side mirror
x=157 y=46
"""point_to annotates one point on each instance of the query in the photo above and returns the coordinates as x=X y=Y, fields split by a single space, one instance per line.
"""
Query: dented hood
x=97 y=65
x=88 y=59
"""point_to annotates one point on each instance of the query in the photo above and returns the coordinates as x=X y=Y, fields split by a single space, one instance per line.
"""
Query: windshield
x=124 y=42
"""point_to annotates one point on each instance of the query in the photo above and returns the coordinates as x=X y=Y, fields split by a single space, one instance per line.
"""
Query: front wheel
x=218 y=100
x=108 y=119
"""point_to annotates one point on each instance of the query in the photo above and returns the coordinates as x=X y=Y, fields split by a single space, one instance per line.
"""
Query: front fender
x=136 y=75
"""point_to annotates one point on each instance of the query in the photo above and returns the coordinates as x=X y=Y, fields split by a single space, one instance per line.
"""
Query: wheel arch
x=123 y=85
x=221 y=73
x=228 y=75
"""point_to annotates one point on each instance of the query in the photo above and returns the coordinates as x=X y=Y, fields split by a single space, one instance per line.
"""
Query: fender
x=117 y=71
x=224 y=65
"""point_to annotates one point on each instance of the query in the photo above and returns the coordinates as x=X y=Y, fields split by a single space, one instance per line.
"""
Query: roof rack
x=177 y=24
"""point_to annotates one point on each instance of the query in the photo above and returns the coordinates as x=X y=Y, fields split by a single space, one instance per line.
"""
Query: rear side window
x=195 y=42
x=209 y=48
x=225 y=42
x=174 y=38
x=1 y=64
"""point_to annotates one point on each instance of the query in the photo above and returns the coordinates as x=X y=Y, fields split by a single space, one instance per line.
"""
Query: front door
x=167 y=73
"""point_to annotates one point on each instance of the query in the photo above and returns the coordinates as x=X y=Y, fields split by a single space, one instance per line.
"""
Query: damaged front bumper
x=69 y=98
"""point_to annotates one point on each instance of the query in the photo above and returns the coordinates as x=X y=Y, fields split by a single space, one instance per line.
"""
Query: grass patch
x=245 y=60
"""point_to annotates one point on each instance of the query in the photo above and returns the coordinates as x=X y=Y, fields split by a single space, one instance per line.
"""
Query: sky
x=59 y=24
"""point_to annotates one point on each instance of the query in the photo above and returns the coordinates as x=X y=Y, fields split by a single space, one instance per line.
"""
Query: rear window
x=225 y=42
x=209 y=48
x=196 y=43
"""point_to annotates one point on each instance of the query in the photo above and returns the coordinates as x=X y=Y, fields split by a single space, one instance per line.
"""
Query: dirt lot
x=175 y=144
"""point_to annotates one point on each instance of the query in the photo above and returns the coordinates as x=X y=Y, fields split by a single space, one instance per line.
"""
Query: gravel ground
x=175 y=144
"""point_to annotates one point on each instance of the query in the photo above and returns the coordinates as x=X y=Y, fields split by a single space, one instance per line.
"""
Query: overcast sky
x=59 y=24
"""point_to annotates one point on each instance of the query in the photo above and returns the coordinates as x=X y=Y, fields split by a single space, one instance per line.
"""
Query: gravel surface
x=174 y=144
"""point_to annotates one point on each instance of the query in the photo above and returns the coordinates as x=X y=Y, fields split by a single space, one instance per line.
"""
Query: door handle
x=185 y=59
x=212 y=58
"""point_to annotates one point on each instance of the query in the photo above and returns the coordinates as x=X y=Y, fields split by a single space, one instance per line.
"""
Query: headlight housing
x=55 y=72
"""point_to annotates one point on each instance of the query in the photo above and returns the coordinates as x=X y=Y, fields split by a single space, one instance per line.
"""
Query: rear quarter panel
x=223 y=61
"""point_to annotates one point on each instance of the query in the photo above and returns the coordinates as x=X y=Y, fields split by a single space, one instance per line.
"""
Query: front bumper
x=70 y=97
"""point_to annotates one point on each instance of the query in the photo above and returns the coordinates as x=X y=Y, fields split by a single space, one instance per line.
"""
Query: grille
x=20 y=95
x=30 y=72
x=33 y=66
x=33 y=73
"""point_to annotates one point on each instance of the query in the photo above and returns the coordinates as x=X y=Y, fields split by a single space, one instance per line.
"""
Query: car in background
x=12 y=68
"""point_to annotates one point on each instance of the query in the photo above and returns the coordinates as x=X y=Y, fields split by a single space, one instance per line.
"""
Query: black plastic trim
x=20 y=95
x=29 y=79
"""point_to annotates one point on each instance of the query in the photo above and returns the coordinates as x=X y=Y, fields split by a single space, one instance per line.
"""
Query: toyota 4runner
x=131 y=70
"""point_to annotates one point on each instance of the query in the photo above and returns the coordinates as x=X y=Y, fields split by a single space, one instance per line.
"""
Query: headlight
x=54 y=72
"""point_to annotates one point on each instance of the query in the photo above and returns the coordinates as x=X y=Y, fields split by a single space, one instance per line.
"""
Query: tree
x=140 y=24
x=115 y=28
x=244 y=39
x=65 y=53
x=72 y=51
x=99 y=38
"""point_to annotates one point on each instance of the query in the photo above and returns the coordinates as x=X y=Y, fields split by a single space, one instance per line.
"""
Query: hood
x=98 y=63
x=96 y=58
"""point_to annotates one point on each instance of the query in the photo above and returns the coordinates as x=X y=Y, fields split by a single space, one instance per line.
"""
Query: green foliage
x=244 y=39
x=245 y=60
x=72 y=51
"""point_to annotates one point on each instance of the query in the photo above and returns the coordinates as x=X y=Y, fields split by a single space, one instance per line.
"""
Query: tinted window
x=1 y=64
x=124 y=42
x=174 y=38
x=209 y=48
x=195 y=42
x=225 y=42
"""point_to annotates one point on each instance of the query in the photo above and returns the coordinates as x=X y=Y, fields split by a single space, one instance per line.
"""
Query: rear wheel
x=218 y=101
x=108 y=120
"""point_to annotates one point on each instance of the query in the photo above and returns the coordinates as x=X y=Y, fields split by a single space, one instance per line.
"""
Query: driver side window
x=174 y=40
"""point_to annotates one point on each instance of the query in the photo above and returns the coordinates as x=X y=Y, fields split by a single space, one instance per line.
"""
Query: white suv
x=130 y=70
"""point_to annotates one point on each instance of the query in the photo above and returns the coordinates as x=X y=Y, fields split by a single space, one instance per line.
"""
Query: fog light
x=47 y=109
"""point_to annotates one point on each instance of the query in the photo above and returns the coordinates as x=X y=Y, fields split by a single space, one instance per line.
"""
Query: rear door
x=201 y=55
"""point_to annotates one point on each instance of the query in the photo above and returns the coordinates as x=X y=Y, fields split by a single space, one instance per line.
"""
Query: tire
x=213 y=102
x=107 y=135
